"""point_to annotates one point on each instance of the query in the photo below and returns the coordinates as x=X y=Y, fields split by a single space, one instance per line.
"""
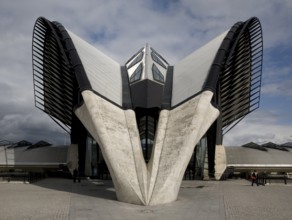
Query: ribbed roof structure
x=230 y=65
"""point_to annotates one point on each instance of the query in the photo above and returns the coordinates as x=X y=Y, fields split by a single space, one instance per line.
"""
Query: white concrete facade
x=117 y=134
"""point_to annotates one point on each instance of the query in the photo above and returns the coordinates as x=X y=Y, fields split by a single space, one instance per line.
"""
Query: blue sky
x=119 y=29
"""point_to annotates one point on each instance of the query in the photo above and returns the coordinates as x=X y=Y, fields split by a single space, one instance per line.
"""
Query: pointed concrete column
x=117 y=134
x=179 y=130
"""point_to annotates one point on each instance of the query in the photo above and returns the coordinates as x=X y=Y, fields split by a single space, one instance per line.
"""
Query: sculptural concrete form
x=147 y=116
x=117 y=134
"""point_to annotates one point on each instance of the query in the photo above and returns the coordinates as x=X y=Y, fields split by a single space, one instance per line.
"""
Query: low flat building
x=24 y=156
x=266 y=158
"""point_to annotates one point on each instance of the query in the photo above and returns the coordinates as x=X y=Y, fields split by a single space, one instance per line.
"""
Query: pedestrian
x=254 y=178
x=75 y=174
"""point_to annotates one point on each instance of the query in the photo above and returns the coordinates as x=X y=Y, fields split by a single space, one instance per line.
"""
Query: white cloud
x=259 y=127
x=278 y=89
x=32 y=127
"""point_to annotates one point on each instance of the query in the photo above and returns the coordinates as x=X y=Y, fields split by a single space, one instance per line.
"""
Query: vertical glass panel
x=137 y=74
x=94 y=158
x=88 y=156
x=200 y=153
x=147 y=121
x=157 y=75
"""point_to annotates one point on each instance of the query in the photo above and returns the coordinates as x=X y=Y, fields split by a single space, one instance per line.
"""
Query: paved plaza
x=95 y=199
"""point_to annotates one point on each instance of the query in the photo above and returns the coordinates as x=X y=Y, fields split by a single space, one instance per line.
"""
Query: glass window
x=146 y=126
x=157 y=75
x=157 y=60
x=137 y=74
x=137 y=59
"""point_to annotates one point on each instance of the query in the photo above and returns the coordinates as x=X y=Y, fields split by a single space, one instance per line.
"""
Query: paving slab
x=95 y=199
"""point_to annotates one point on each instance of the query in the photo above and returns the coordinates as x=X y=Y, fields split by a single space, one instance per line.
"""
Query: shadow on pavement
x=95 y=188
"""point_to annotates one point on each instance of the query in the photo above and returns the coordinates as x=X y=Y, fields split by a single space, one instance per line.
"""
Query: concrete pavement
x=62 y=199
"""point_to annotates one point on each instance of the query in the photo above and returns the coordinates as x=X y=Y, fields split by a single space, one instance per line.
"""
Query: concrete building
x=147 y=119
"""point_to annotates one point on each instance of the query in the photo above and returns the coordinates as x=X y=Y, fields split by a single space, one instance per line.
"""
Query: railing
x=26 y=177
x=264 y=179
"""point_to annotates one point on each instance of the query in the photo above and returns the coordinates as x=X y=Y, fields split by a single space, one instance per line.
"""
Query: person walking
x=75 y=174
x=254 y=178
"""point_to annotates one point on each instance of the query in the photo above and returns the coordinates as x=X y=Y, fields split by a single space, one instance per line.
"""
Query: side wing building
x=147 y=120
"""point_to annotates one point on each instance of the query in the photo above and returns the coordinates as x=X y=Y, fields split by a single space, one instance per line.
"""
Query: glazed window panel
x=137 y=74
x=157 y=60
x=137 y=59
x=157 y=75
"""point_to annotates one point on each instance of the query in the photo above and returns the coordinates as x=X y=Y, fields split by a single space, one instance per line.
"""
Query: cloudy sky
x=175 y=28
